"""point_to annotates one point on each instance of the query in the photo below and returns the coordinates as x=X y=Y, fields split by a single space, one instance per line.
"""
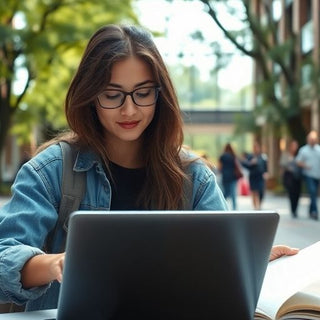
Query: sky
x=181 y=18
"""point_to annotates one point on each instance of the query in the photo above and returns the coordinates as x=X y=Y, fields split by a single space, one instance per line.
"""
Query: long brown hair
x=162 y=139
x=228 y=149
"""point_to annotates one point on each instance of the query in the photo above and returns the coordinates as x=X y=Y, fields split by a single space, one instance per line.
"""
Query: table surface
x=32 y=315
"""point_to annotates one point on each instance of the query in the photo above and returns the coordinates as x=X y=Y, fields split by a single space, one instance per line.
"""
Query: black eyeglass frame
x=130 y=93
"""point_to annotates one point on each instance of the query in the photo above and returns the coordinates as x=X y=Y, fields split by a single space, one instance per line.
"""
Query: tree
x=42 y=41
x=259 y=40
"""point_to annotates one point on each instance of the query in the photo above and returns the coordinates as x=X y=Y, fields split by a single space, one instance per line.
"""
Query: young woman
x=125 y=121
x=228 y=163
x=257 y=164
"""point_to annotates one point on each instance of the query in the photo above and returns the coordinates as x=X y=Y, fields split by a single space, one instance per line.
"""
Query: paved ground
x=299 y=232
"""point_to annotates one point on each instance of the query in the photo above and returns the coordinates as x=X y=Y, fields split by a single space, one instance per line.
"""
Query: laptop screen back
x=165 y=265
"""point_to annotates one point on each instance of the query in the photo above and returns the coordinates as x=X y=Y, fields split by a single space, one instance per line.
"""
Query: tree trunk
x=5 y=120
x=297 y=129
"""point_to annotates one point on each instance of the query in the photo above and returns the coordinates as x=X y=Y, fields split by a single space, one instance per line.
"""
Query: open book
x=291 y=287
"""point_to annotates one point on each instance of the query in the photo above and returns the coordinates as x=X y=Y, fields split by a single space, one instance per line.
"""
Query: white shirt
x=310 y=156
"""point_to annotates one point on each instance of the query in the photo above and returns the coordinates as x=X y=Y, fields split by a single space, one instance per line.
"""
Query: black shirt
x=126 y=186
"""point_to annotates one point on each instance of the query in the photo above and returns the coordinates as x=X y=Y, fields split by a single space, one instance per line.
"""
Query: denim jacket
x=31 y=213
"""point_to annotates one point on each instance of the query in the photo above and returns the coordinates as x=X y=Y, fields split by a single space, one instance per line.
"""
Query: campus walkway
x=299 y=232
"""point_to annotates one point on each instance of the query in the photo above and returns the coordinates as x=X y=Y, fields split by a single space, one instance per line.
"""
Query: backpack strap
x=73 y=187
x=187 y=203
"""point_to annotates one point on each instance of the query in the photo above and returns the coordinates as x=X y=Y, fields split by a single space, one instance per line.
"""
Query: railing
x=208 y=117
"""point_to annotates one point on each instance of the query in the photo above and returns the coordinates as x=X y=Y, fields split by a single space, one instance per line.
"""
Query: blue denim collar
x=86 y=160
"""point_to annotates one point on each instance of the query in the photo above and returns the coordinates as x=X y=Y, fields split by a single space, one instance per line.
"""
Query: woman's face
x=256 y=148
x=128 y=122
x=293 y=147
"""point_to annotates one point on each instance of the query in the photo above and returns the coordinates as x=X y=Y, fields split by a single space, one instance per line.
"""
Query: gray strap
x=187 y=203
x=73 y=185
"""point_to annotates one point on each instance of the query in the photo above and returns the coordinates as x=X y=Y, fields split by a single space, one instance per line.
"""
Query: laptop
x=165 y=264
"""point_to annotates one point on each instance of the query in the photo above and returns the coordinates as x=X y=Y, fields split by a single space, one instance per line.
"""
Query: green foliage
x=43 y=41
x=5 y=189
x=213 y=144
x=196 y=93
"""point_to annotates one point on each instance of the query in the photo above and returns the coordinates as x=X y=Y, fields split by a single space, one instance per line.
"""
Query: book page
x=307 y=299
x=286 y=276
x=260 y=315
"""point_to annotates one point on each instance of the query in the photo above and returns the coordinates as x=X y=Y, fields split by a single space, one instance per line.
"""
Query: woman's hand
x=42 y=269
x=281 y=250
x=56 y=266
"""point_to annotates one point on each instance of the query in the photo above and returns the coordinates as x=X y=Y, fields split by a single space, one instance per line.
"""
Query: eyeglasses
x=142 y=97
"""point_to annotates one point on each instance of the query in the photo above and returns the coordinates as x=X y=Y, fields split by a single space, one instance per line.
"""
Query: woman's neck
x=126 y=154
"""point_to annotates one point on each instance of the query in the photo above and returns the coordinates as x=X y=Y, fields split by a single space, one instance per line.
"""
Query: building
x=296 y=23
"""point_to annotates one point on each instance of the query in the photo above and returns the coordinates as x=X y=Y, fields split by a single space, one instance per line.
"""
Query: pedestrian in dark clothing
x=291 y=176
x=229 y=166
x=257 y=164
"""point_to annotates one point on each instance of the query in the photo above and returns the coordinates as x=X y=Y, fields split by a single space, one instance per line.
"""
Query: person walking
x=229 y=168
x=308 y=159
x=257 y=165
x=291 y=175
